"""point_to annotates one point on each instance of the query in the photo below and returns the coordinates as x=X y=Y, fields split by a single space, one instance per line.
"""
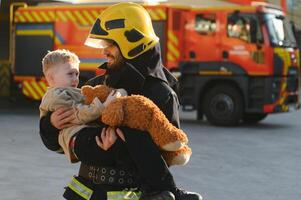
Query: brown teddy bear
x=139 y=112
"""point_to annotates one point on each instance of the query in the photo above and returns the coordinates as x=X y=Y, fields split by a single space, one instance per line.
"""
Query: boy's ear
x=49 y=77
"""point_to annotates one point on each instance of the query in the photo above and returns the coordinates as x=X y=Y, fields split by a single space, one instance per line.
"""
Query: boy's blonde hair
x=59 y=56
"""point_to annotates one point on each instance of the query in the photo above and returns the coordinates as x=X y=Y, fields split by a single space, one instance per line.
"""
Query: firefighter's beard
x=115 y=62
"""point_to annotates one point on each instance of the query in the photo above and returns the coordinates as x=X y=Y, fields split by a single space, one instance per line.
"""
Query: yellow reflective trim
x=75 y=189
x=89 y=17
x=153 y=15
x=28 y=16
x=80 y=189
x=123 y=195
x=95 y=13
x=37 y=88
x=285 y=108
x=51 y=14
x=45 y=17
x=172 y=37
x=35 y=32
x=285 y=55
x=17 y=16
x=62 y=16
x=170 y=57
x=173 y=50
x=30 y=90
x=161 y=13
x=36 y=16
x=25 y=92
x=21 y=18
x=44 y=86
x=82 y=20
x=70 y=16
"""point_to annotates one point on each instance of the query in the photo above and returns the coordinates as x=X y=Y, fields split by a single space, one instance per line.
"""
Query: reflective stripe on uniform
x=119 y=195
x=86 y=192
x=80 y=189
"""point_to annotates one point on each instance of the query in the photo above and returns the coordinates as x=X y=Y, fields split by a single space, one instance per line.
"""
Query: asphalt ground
x=261 y=162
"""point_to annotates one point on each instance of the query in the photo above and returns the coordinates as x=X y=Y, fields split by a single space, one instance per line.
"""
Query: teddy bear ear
x=86 y=89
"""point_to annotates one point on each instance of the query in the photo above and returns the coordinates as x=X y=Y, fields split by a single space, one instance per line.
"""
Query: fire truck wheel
x=253 y=118
x=223 y=105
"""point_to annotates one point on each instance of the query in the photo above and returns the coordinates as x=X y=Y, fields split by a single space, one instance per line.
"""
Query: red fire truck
x=236 y=63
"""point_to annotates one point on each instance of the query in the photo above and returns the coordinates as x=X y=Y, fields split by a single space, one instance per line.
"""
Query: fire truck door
x=201 y=38
x=242 y=42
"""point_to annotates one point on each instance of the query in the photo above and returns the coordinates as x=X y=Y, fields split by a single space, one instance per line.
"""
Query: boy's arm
x=87 y=113
x=83 y=114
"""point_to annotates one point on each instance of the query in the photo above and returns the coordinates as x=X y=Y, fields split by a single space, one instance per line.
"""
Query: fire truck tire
x=223 y=105
x=253 y=118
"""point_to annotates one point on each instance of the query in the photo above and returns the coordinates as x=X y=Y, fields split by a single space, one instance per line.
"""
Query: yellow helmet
x=127 y=24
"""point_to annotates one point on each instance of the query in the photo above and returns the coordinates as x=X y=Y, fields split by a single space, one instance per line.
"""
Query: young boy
x=61 y=70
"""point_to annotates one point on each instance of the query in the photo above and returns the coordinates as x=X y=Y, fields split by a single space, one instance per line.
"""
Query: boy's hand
x=62 y=117
x=112 y=96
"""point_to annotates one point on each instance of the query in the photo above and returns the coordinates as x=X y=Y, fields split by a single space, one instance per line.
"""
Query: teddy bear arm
x=113 y=114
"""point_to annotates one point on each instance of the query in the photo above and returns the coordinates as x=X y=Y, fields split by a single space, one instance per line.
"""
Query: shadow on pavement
x=18 y=105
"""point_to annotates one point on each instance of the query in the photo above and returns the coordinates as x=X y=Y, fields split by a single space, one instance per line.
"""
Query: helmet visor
x=98 y=43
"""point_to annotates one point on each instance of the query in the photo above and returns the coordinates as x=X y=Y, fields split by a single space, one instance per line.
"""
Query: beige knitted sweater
x=57 y=97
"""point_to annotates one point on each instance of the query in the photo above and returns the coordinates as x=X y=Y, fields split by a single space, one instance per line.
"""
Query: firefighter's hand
x=62 y=117
x=120 y=134
x=108 y=138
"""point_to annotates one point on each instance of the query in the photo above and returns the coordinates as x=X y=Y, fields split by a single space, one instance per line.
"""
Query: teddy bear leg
x=180 y=157
x=165 y=134
x=173 y=146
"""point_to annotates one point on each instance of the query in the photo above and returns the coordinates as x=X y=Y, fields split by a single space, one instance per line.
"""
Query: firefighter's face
x=65 y=75
x=113 y=55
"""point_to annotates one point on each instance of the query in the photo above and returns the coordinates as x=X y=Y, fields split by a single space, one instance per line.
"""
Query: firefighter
x=111 y=167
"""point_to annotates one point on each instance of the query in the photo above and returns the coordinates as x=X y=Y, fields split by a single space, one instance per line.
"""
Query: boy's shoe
x=164 y=195
x=185 y=195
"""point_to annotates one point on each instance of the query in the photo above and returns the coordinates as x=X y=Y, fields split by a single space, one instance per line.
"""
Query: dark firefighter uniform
x=113 y=174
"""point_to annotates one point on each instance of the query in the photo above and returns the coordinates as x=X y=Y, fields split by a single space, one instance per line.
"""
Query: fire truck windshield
x=280 y=31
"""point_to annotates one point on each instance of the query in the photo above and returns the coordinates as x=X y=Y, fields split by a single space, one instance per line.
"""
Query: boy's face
x=64 y=75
